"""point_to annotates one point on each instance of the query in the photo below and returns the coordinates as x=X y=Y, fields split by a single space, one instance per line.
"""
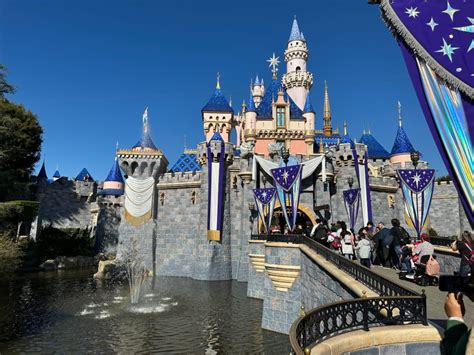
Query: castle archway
x=305 y=214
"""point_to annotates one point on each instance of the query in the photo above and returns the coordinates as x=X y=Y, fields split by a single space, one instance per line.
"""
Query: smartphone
x=455 y=283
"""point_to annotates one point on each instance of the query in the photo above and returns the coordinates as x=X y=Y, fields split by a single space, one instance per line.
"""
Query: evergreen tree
x=20 y=143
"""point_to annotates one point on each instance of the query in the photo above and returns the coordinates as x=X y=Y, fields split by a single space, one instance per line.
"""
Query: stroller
x=425 y=273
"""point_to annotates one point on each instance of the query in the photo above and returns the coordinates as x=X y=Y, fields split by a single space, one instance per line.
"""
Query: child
x=364 y=248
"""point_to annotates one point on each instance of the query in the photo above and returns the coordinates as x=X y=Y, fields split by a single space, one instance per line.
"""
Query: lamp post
x=285 y=154
x=350 y=181
x=415 y=158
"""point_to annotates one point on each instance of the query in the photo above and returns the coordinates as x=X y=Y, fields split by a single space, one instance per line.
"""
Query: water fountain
x=135 y=271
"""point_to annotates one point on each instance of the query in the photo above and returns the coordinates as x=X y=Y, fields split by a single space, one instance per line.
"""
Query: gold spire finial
x=218 y=85
x=321 y=146
x=327 y=129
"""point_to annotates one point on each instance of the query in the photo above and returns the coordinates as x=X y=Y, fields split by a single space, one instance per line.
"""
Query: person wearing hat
x=424 y=250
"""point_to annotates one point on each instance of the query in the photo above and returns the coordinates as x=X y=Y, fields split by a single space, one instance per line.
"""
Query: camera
x=456 y=284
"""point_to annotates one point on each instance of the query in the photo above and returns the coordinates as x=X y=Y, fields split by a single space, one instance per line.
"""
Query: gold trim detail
x=282 y=276
x=136 y=221
x=258 y=261
x=214 y=235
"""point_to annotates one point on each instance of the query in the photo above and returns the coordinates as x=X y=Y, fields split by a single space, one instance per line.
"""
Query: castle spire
x=345 y=127
x=295 y=33
x=327 y=129
x=399 y=114
x=218 y=84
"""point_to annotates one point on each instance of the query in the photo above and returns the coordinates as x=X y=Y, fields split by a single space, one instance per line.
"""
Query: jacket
x=385 y=238
x=364 y=247
x=455 y=338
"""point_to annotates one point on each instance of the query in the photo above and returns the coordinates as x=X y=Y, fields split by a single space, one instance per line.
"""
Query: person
x=371 y=228
x=286 y=231
x=299 y=229
x=457 y=339
x=400 y=238
x=423 y=250
x=319 y=232
x=347 y=243
x=364 y=247
x=385 y=239
x=465 y=247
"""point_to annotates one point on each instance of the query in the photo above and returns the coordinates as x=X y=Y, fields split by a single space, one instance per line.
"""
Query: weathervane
x=274 y=64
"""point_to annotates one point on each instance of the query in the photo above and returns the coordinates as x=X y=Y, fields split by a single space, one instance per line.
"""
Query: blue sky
x=88 y=69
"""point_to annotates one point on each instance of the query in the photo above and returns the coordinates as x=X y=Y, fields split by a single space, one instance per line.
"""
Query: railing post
x=425 y=310
x=365 y=311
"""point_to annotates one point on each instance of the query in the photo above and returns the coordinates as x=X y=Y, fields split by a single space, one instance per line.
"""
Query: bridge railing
x=396 y=305
x=363 y=313
x=441 y=241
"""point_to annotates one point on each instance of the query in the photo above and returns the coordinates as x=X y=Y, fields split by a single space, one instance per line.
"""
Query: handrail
x=341 y=317
x=441 y=241
x=376 y=282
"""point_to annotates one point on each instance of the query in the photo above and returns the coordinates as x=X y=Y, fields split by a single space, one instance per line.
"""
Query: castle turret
x=258 y=90
x=374 y=149
x=327 y=128
x=346 y=139
x=42 y=173
x=402 y=147
x=113 y=184
x=217 y=115
x=308 y=114
x=250 y=120
x=56 y=175
x=297 y=80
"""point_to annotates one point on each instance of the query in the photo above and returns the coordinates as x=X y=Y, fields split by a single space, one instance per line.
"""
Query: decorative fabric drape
x=265 y=202
x=437 y=43
x=417 y=187
x=309 y=166
x=362 y=172
x=352 y=202
x=138 y=200
x=288 y=182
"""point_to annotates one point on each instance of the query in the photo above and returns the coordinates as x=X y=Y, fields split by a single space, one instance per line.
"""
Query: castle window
x=280 y=111
x=298 y=69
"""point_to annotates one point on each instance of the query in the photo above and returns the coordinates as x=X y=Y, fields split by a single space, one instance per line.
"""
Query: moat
x=69 y=312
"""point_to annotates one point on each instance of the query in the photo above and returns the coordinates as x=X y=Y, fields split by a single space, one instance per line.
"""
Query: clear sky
x=89 y=68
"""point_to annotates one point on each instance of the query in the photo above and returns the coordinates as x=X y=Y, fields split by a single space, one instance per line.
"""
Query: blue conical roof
x=145 y=141
x=217 y=103
x=57 y=174
x=347 y=140
x=402 y=144
x=374 y=149
x=216 y=137
x=84 y=175
x=115 y=174
x=308 y=107
x=295 y=32
x=264 y=109
x=42 y=172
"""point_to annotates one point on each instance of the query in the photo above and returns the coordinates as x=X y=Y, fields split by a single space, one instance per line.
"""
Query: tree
x=20 y=143
x=5 y=87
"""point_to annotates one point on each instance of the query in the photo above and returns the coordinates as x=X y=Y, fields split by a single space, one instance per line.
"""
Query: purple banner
x=352 y=201
x=288 y=183
x=265 y=203
x=437 y=43
x=417 y=188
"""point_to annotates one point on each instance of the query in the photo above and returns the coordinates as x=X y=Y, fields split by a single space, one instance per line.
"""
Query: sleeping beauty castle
x=194 y=217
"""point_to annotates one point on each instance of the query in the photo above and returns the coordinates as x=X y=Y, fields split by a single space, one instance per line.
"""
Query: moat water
x=68 y=312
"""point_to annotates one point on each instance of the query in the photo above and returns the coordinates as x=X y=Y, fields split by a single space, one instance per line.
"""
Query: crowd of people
x=387 y=246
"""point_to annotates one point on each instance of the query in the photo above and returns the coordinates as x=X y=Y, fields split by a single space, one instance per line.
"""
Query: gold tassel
x=214 y=235
x=136 y=221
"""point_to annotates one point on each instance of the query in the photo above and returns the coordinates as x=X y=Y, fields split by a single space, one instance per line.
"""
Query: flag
x=265 y=202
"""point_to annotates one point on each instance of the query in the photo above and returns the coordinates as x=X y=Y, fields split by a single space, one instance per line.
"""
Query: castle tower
x=217 y=115
x=402 y=147
x=258 y=90
x=250 y=120
x=297 y=80
x=113 y=184
x=327 y=128
x=56 y=175
x=308 y=114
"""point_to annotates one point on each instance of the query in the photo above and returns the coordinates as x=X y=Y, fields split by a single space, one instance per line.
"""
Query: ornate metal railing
x=376 y=282
x=337 y=318
x=283 y=238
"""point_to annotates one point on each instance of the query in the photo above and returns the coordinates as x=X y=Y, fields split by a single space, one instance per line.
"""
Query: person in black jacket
x=385 y=239
x=400 y=237
x=319 y=232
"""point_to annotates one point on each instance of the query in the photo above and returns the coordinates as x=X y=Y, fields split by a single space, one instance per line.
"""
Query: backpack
x=471 y=259
x=404 y=236
x=432 y=267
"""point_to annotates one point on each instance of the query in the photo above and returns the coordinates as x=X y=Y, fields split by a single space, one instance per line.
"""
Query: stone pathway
x=435 y=298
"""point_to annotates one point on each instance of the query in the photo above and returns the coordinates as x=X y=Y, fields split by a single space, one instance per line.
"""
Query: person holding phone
x=458 y=338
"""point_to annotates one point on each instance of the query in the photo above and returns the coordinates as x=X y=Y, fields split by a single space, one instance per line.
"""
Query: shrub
x=53 y=242
x=11 y=256
x=14 y=213
x=432 y=232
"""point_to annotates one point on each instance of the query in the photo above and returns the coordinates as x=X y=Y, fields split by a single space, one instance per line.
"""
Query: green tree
x=20 y=143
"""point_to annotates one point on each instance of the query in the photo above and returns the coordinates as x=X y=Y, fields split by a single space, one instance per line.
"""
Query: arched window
x=298 y=69
x=280 y=116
